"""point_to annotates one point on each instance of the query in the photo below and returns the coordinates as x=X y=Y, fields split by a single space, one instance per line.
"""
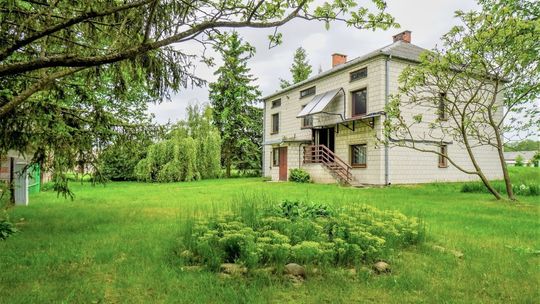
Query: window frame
x=275 y=128
x=273 y=105
x=303 y=125
x=443 y=161
x=357 y=165
x=364 y=69
x=309 y=92
x=275 y=152
x=353 y=107
x=441 y=110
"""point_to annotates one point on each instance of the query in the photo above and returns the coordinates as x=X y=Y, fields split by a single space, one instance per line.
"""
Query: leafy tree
x=72 y=73
x=300 y=68
x=118 y=160
x=523 y=145
x=250 y=155
x=232 y=98
x=471 y=91
x=190 y=151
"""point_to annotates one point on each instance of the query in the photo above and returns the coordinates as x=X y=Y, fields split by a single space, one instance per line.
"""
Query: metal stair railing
x=321 y=154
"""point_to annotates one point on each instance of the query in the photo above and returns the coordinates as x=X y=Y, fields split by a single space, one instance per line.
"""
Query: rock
x=295 y=270
x=295 y=280
x=381 y=267
x=233 y=269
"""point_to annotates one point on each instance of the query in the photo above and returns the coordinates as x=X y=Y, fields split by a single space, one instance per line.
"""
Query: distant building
x=510 y=157
x=11 y=165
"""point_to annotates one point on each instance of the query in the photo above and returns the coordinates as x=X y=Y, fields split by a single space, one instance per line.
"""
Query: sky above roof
x=427 y=19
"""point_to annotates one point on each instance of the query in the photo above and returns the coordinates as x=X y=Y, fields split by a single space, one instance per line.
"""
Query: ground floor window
x=275 y=157
x=443 y=162
x=359 y=156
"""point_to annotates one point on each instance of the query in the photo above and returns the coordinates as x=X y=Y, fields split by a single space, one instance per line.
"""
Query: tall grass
x=525 y=182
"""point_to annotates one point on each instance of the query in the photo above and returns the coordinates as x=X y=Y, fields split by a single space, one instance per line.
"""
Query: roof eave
x=331 y=72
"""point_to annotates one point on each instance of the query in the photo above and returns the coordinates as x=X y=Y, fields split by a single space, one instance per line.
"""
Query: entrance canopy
x=319 y=103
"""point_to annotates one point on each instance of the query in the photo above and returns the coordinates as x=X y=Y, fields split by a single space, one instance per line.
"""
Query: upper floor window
x=359 y=102
x=443 y=162
x=276 y=103
x=359 y=156
x=442 y=107
x=275 y=123
x=307 y=121
x=358 y=74
x=307 y=92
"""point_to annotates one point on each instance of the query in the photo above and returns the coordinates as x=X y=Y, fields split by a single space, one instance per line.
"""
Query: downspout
x=264 y=140
x=386 y=97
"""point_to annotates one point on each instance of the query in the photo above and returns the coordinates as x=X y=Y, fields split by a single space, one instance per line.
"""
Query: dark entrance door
x=325 y=136
x=283 y=163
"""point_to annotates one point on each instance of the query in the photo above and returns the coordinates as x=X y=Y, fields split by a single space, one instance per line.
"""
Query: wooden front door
x=283 y=163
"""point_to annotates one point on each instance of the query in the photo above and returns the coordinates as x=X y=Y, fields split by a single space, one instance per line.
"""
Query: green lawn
x=115 y=243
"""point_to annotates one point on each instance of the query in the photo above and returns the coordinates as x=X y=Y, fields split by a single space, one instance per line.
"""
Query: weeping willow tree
x=191 y=151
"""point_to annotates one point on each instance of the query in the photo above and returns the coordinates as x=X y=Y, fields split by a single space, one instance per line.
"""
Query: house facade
x=331 y=124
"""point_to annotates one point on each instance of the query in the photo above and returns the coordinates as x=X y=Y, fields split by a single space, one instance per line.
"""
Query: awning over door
x=318 y=103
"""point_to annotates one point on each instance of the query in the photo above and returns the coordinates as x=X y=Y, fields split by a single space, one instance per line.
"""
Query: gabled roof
x=398 y=49
x=527 y=155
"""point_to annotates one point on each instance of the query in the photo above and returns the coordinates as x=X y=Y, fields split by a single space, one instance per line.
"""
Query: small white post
x=21 y=184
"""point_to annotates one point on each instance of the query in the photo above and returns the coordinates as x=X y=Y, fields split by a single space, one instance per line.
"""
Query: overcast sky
x=427 y=19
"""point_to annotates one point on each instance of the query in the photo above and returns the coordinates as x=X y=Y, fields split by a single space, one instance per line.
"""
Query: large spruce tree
x=300 y=68
x=232 y=97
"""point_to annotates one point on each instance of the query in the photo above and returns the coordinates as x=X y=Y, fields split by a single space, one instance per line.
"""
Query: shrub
x=526 y=188
x=519 y=161
x=298 y=232
x=299 y=176
x=6 y=229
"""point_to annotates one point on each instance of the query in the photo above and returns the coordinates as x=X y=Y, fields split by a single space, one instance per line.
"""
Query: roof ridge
x=382 y=50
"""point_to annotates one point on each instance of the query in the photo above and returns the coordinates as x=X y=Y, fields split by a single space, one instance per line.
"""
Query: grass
x=525 y=183
x=115 y=243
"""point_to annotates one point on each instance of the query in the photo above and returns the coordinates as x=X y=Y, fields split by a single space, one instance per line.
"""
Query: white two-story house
x=331 y=124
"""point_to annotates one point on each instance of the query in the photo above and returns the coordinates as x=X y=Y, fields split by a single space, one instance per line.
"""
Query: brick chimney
x=403 y=36
x=338 y=59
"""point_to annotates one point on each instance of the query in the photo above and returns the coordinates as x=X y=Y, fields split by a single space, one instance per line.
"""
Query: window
x=276 y=103
x=275 y=123
x=275 y=157
x=358 y=74
x=442 y=160
x=359 y=156
x=307 y=92
x=442 y=109
x=359 y=102
x=307 y=121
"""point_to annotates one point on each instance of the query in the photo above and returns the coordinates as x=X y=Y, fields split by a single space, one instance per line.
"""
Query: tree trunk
x=500 y=150
x=489 y=186
x=228 y=169
x=477 y=167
